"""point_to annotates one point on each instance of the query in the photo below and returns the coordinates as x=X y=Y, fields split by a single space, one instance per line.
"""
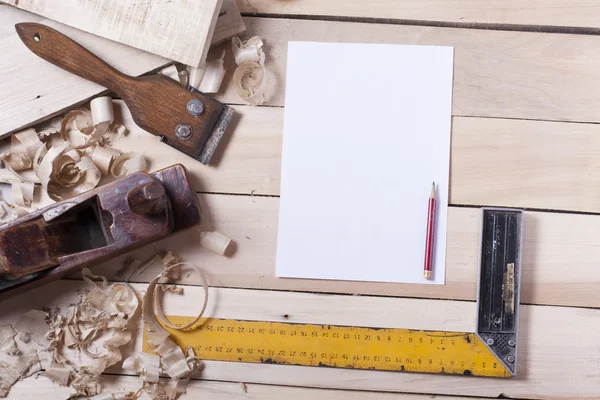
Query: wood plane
x=95 y=226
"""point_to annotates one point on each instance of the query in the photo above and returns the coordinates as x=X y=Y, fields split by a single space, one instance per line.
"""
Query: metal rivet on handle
x=183 y=131
x=490 y=341
x=195 y=107
x=512 y=343
x=510 y=359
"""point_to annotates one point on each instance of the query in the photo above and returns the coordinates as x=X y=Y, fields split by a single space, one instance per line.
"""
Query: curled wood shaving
x=128 y=163
x=145 y=364
x=215 y=242
x=23 y=147
x=9 y=212
x=64 y=173
x=175 y=363
x=250 y=77
x=95 y=327
x=22 y=191
x=208 y=78
x=68 y=156
x=103 y=157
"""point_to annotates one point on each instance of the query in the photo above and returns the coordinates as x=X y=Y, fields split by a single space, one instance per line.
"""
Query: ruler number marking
x=409 y=357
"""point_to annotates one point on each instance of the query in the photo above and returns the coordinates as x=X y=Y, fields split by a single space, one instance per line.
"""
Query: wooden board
x=559 y=255
x=517 y=78
x=556 y=13
x=229 y=22
x=177 y=30
x=31 y=89
x=496 y=73
x=38 y=387
x=534 y=164
x=555 y=361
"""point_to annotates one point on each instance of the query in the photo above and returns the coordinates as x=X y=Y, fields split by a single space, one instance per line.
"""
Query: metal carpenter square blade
x=499 y=277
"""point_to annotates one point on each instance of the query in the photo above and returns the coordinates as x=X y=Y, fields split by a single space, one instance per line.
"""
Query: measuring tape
x=338 y=346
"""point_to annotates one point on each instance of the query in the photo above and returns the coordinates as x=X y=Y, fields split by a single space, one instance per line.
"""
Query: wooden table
x=525 y=134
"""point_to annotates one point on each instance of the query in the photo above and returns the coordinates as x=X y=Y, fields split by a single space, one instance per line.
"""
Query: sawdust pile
x=67 y=157
x=56 y=341
x=73 y=347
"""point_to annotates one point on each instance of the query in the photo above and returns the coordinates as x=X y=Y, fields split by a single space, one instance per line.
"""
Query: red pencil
x=430 y=234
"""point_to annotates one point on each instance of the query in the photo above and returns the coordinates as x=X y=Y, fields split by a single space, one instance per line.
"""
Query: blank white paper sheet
x=366 y=132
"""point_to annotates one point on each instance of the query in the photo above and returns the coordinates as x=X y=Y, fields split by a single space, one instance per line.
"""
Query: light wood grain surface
x=524 y=134
x=178 y=30
x=36 y=388
x=508 y=13
x=504 y=74
x=572 y=342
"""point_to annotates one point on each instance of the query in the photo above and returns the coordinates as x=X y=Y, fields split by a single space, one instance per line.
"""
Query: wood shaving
x=215 y=242
x=9 y=212
x=68 y=156
x=104 y=157
x=64 y=173
x=178 y=365
x=22 y=191
x=128 y=163
x=145 y=364
x=114 y=396
x=23 y=146
x=250 y=77
x=58 y=373
x=208 y=79
x=7 y=341
x=171 y=72
x=95 y=327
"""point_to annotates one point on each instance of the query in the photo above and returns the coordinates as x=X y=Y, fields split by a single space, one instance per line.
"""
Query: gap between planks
x=542 y=343
x=35 y=388
x=573 y=30
x=538 y=15
x=497 y=74
x=543 y=165
x=249 y=159
x=552 y=242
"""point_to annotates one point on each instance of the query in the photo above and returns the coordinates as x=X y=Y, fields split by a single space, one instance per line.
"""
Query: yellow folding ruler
x=491 y=351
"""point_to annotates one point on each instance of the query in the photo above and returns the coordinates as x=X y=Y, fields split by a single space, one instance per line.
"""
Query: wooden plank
x=9 y=14
x=496 y=73
x=578 y=13
x=559 y=256
x=33 y=89
x=519 y=163
x=178 y=30
x=247 y=160
x=535 y=164
x=35 y=388
x=229 y=23
x=558 y=346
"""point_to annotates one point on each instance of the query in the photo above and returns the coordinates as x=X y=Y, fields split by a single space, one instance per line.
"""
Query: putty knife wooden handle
x=185 y=118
